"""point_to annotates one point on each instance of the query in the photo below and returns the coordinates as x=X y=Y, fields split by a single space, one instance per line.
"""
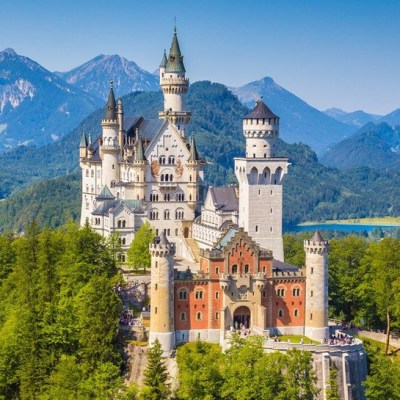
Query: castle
x=217 y=261
x=141 y=170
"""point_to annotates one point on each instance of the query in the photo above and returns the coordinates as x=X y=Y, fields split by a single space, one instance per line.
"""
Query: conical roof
x=317 y=237
x=111 y=107
x=175 y=58
x=194 y=155
x=84 y=142
x=260 y=111
x=139 y=156
x=163 y=238
x=164 y=60
x=105 y=194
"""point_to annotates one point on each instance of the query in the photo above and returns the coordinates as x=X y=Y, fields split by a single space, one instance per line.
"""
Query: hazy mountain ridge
x=300 y=122
x=374 y=145
x=36 y=106
x=356 y=118
x=94 y=76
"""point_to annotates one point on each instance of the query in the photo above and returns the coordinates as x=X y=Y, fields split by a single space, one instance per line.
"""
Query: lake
x=334 y=227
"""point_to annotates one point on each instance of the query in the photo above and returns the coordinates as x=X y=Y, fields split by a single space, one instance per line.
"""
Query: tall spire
x=111 y=105
x=84 y=142
x=164 y=60
x=175 y=58
x=194 y=155
x=139 y=156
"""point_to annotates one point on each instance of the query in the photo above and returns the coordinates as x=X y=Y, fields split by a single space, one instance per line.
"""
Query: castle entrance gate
x=241 y=318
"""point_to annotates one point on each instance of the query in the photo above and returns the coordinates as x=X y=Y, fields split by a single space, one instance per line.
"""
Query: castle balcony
x=175 y=81
x=224 y=281
x=110 y=148
x=242 y=279
x=167 y=185
x=260 y=280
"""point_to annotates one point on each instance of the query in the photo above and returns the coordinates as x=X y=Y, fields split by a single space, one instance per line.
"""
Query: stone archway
x=242 y=318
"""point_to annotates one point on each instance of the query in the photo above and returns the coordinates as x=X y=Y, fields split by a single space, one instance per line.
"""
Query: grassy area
x=296 y=339
x=384 y=221
x=374 y=346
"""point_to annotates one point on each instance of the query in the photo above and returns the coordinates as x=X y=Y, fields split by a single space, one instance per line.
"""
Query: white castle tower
x=260 y=177
x=174 y=85
x=316 y=318
x=110 y=147
x=162 y=325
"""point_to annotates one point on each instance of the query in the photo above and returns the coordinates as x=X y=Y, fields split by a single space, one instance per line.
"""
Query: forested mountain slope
x=311 y=190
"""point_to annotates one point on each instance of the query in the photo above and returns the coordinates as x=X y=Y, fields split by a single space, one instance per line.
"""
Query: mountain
x=94 y=76
x=356 y=118
x=36 y=106
x=374 y=145
x=312 y=191
x=393 y=118
x=299 y=121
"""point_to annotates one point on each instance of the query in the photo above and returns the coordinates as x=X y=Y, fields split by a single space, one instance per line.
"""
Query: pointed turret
x=84 y=142
x=175 y=58
x=111 y=112
x=194 y=155
x=83 y=146
x=139 y=153
x=164 y=60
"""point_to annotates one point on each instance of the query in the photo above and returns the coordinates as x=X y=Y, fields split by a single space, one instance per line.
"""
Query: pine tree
x=156 y=385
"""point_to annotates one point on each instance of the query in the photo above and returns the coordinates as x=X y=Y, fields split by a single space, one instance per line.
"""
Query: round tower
x=110 y=148
x=260 y=128
x=174 y=85
x=162 y=326
x=316 y=314
x=260 y=175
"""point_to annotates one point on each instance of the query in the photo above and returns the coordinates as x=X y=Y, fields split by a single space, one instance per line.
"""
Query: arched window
x=198 y=294
x=246 y=269
x=166 y=214
x=171 y=160
x=280 y=314
x=87 y=172
x=199 y=316
x=296 y=292
x=123 y=241
x=183 y=294
x=161 y=160
x=179 y=214
x=234 y=269
x=183 y=316
x=154 y=214
x=253 y=176
x=296 y=313
x=280 y=292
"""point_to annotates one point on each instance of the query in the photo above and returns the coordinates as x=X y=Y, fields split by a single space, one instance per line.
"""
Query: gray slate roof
x=224 y=198
x=317 y=237
x=260 y=111
x=282 y=266
x=105 y=207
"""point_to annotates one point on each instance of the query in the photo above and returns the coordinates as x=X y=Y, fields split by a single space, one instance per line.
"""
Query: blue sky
x=343 y=53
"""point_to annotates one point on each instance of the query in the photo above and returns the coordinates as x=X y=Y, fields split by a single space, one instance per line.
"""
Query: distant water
x=334 y=227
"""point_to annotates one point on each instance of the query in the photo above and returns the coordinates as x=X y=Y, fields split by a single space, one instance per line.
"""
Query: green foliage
x=383 y=382
x=200 y=375
x=58 y=315
x=243 y=372
x=332 y=393
x=139 y=252
x=156 y=385
x=345 y=276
